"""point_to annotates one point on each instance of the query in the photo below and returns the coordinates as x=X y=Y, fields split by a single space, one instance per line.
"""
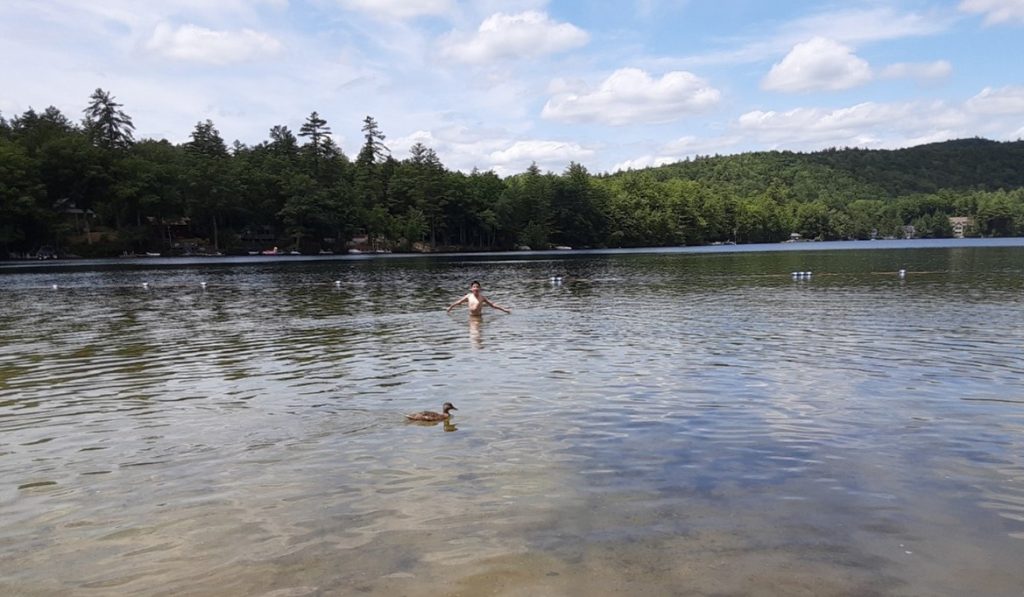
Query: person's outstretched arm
x=457 y=303
x=496 y=306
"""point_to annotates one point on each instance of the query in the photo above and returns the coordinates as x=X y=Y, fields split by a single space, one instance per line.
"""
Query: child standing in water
x=476 y=301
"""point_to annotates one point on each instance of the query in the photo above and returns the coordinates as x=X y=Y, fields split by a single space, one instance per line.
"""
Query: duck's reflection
x=447 y=425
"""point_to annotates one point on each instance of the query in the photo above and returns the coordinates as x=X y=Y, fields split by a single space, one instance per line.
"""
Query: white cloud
x=682 y=144
x=1002 y=101
x=631 y=96
x=809 y=123
x=936 y=136
x=917 y=70
x=818 y=64
x=996 y=11
x=401 y=145
x=528 y=34
x=870 y=124
x=400 y=9
x=856 y=26
x=136 y=14
x=691 y=145
x=549 y=155
x=644 y=161
x=464 y=148
x=678 y=149
x=196 y=44
x=853 y=26
x=563 y=85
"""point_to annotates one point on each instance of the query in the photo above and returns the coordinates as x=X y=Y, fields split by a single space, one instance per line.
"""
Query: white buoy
x=202 y=285
x=55 y=287
x=902 y=273
x=145 y=285
x=337 y=283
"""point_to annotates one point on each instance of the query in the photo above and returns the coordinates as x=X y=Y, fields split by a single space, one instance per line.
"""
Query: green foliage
x=22 y=196
x=91 y=188
x=1001 y=213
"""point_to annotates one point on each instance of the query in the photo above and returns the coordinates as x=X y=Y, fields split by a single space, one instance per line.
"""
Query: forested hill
x=90 y=188
x=958 y=165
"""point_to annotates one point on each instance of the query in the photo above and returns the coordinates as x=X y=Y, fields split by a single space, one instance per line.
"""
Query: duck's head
x=447 y=407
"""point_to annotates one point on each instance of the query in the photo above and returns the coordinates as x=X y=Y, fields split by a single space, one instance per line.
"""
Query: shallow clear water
x=672 y=422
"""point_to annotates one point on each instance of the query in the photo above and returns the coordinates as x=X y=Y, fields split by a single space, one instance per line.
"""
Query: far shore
x=923 y=243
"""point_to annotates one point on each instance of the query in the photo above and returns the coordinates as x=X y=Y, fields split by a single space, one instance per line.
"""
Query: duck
x=429 y=415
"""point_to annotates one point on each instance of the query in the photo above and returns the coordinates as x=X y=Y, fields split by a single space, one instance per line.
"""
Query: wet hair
x=476 y=282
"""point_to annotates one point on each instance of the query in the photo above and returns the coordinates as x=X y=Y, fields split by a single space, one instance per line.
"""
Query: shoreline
x=842 y=245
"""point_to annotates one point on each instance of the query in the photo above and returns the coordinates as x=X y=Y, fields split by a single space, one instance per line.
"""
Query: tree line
x=90 y=188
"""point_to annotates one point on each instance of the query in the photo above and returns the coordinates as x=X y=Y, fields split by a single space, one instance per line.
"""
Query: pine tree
x=319 y=137
x=374 y=150
x=110 y=127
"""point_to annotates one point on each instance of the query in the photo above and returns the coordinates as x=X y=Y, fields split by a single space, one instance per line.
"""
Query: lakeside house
x=961 y=225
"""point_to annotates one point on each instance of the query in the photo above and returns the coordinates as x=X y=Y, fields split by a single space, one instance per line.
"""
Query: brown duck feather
x=429 y=415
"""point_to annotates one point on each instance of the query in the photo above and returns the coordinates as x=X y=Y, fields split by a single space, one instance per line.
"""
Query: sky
x=498 y=85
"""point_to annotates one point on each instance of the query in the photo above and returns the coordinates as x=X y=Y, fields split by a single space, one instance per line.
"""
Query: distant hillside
x=846 y=174
x=961 y=164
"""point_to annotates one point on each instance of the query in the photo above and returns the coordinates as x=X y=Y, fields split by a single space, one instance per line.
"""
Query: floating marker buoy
x=145 y=285
x=202 y=285
x=902 y=273
x=55 y=287
x=337 y=283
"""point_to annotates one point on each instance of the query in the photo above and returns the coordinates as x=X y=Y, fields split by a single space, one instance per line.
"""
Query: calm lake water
x=669 y=422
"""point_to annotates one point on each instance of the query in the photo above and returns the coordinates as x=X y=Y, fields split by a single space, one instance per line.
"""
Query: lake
x=677 y=421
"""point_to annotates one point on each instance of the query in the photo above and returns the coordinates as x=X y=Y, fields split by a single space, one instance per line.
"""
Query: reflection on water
x=446 y=425
x=476 y=331
x=671 y=423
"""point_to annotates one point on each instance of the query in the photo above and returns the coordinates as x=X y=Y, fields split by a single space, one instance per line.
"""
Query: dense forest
x=89 y=188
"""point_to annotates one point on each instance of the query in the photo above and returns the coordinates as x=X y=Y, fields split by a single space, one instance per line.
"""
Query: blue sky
x=498 y=85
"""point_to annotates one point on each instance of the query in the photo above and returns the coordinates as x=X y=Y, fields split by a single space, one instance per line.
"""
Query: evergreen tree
x=209 y=188
x=429 y=192
x=373 y=149
x=110 y=127
x=283 y=141
x=206 y=141
x=316 y=129
x=369 y=179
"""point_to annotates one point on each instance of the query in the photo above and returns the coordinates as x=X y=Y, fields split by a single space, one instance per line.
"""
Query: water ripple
x=249 y=439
